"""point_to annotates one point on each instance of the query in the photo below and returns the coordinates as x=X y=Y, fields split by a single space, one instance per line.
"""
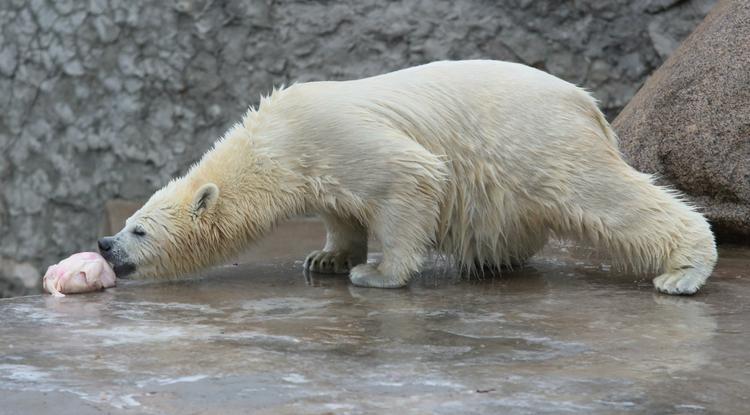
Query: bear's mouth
x=123 y=270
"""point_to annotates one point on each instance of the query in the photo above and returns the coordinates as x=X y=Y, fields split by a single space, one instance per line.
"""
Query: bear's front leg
x=403 y=252
x=346 y=247
x=406 y=231
x=399 y=188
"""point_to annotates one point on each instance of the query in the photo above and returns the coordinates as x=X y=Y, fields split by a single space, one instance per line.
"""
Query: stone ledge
x=116 y=212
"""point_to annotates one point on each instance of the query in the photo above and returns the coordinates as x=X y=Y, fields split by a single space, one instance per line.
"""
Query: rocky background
x=690 y=122
x=104 y=99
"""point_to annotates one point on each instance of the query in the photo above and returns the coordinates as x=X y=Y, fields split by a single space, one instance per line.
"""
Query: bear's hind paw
x=680 y=282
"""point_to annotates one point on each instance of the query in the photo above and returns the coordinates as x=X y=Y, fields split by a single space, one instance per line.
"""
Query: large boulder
x=690 y=123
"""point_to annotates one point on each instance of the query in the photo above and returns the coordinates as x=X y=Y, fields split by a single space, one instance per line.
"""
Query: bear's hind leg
x=346 y=247
x=643 y=226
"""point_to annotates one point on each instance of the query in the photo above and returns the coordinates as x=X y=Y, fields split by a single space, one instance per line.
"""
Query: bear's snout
x=117 y=258
x=105 y=245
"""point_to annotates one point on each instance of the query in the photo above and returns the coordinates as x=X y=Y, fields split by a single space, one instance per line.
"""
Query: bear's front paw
x=367 y=275
x=327 y=262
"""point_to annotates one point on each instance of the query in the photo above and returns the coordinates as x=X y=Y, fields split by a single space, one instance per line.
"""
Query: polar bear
x=479 y=160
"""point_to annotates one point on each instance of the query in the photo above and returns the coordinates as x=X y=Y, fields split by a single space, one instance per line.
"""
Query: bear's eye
x=138 y=231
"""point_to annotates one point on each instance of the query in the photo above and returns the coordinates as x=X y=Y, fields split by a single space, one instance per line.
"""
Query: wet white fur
x=480 y=160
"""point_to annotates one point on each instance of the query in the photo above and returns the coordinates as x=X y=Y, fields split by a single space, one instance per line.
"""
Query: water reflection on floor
x=564 y=334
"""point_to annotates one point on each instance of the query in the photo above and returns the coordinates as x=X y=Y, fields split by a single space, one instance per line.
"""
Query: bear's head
x=174 y=233
x=233 y=196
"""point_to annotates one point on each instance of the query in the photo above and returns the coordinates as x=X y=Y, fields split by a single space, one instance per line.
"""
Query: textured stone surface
x=563 y=335
x=106 y=99
x=690 y=123
x=11 y=286
x=24 y=273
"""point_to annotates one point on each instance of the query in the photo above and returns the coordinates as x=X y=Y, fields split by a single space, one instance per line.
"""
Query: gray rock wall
x=103 y=99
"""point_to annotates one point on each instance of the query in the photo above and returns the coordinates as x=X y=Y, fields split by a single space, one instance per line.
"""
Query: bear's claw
x=326 y=262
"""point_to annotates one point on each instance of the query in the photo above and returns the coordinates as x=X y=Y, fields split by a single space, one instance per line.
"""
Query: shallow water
x=564 y=334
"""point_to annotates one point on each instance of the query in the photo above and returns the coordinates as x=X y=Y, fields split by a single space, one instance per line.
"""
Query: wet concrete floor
x=563 y=335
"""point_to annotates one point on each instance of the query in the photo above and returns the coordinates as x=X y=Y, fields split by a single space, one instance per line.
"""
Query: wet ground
x=564 y=335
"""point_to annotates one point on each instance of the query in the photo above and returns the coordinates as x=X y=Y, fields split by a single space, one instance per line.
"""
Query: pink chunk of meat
x=80 y=273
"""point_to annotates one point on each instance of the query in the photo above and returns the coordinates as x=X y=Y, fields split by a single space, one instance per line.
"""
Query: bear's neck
x=256 y=191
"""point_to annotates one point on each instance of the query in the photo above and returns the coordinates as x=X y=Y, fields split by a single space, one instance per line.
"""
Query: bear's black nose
x=105 y=244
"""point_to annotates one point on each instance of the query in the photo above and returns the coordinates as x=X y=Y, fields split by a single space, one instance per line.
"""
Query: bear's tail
x=609 y=133
x=590 y=106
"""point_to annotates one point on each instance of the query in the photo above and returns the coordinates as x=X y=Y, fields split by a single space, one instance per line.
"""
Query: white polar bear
x=480 y=160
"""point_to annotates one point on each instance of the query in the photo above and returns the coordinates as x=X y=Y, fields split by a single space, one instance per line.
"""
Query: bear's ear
x=205 y=198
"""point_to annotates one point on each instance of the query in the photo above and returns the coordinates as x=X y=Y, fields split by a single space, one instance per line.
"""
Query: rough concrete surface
x=564 y=335
x=104 y=100
x=690 y=123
